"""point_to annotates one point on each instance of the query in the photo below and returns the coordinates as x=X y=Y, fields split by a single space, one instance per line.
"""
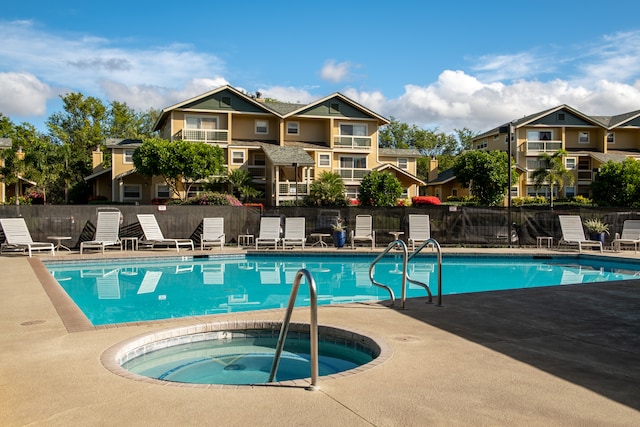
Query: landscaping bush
x=425 y=200
x=213 y=198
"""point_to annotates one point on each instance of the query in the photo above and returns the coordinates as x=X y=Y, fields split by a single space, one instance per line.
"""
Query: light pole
x=509 y=137
x=295 y=166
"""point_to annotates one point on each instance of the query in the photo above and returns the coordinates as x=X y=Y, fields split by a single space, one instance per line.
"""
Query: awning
x=287 y=156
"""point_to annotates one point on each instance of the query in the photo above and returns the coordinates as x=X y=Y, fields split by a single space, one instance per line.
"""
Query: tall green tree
x=326 y=190
x=617 y=184
x=486 y=173
x=179 y=163
x=123 y=121
x=552 y=172
x=379 y=189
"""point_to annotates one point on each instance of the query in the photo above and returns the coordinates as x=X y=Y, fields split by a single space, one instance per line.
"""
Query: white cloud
x=23 y=94
x=288 y=94
x=335 y=72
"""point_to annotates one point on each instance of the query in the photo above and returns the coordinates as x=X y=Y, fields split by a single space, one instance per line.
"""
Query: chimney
x=433 y=170
x=97 y=158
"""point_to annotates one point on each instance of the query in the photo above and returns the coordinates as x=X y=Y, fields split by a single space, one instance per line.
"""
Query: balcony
x=257 y=172
x=352 y=174
x=355 y=142
x=536 y=147
x=288 y=188
x=210 y=136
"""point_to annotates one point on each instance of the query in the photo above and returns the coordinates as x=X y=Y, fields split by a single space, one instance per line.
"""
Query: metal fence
x=452 y=226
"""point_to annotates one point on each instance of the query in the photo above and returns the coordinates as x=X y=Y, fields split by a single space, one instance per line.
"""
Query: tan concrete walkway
x=563 y=356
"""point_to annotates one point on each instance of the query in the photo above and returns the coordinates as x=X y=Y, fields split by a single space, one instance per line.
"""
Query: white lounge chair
x=269 y=232
x=153 y=234
x=107 y=231
x=294 y=232
x=212 y=233
x=419 y=230
x=363 y=231
x=573 y=233
x=17 y=236
x=630 y=235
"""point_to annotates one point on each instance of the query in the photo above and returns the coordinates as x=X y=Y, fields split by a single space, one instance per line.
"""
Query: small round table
x=396 y=234
x=59 y=240
x=320 y=236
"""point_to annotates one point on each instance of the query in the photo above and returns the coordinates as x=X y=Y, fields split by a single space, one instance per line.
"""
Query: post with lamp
x=509 y=139
x=295 y=166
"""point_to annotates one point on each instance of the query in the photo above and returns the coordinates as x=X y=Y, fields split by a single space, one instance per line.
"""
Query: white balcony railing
x=217 y=136
x=289 y=188
x=543 y=146
x=345 y=141
x=353 y=174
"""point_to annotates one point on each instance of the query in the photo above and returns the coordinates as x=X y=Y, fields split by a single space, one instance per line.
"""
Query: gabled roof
x=443 y=177
x=99 y=172
x=343 y=98
x=122 y=143
x=397 y=170
x=287 y=156
x=400 y=152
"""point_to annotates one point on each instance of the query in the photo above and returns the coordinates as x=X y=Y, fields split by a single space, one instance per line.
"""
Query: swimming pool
x=132 y=290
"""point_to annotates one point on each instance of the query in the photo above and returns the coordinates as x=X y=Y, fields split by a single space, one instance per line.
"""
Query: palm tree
x=327 y=190
x=552 y=172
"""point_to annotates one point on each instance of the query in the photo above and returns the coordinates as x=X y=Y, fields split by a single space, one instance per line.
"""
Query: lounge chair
x=106 y=234
x=153 y=234
x=212 y=232
x=269 y=232
x=17 y=236
x=630 y=235
x=419 y=230
x=363 y=231
x=294 y=232
x=573 y=233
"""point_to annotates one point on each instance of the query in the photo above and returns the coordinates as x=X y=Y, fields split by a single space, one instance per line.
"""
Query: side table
x=59 y=240
x=129 y=242
x=245 y=240
x=541 y=240
x=320 y=236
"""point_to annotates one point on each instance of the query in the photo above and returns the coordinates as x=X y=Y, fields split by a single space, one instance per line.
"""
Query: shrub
x=213 y=198
x=425 y=200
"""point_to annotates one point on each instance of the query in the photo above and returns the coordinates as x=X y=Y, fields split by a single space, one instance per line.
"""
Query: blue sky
x=439 y=65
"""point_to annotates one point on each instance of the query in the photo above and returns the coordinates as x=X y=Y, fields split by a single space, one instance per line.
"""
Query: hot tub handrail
x=435 y=243
x=392 y=245
x=313 y=333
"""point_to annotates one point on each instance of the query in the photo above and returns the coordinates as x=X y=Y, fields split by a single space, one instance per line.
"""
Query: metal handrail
x=404 y=271
x=313 y=333
x=439 y=250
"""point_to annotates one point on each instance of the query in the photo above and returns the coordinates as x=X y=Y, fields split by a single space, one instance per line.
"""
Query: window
x=454 y=192
x=324 y=160
x=611 y=138
x=496 y=136
x=127 y=159
x=405 y=193
x=262 y=127
x=237 y=157
x=201 y=122
x=539 y=135
x=351 y=191
x=583 y=137
x=570 y=162
x=561 y=117
x=162 y=191
x=483 y=144
x=132 y=192
x=293 y=128
x=334 y=108
x=353 y=162
x=403 y=163
x=194 y=190
x=353 y=129
x=569 y=191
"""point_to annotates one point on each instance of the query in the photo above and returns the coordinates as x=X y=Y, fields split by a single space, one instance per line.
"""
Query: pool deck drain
x=566 y=355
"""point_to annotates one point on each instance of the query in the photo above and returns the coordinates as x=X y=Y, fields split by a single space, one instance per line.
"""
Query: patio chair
x=17 y=236
x=363 y=231
x=106 y=233
x=294 y=232
x=630 y=235
x=153 y=234
x=573 y=233
x=419 y=230
x=269 y=232
x=212 y=232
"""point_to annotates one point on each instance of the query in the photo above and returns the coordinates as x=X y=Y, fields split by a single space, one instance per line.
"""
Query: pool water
x=243 y=360
x=120 y=291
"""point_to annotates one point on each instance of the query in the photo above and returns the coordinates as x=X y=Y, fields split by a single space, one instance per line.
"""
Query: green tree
x=326 y=190
x=552 y=172
x=486 y=173
x=241 y=184
x=178 y=162
x=123 y=121
x=617 y=184
x=379 y=189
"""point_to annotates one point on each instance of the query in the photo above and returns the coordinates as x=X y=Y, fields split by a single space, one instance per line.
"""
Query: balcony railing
x=210 y=136
x=543 y=146
x=285 y=188
x=353 y=174
x=343 y=141
x=257 y=172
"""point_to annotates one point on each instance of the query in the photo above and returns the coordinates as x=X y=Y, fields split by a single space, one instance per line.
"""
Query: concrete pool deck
x=567 y=355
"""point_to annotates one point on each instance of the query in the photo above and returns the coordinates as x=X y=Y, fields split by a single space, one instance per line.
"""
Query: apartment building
x=283 y=146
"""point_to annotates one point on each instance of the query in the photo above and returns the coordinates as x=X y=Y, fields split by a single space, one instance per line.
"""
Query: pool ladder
x=313 y=333
x=405 y=276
